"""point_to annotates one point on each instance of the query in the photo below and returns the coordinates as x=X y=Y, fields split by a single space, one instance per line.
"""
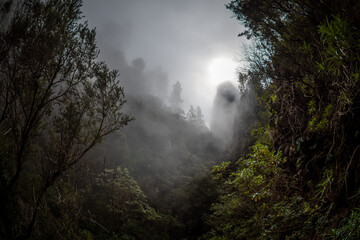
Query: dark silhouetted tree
x=191 y=115
x=300 y=177
x=175 y=100
x=196 y=118
x=56 y=103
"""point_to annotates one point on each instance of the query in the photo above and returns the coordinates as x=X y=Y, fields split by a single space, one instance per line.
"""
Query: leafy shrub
x=350 y=227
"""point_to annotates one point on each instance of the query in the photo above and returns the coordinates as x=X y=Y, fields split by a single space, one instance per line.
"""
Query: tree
x=307 y=53
x=195 y=117
x=199 y=116
x=304 y=70
x=191 y=115
x=118 y=203
x=56 y=103
x=175 y=100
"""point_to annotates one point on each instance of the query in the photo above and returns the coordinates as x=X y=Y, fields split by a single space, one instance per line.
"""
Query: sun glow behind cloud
x=221 y=69
x=194 y=45
x=217 y=70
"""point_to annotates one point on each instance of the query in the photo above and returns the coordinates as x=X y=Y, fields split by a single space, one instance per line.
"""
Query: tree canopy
x=300 y=177
x=56 y=103
x=291 y=170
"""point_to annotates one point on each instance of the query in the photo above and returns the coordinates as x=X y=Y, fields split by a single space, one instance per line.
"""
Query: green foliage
x=349 y=228
x=258 y=167
x=338 y=38
x=295 y=182
x=339 y=58
x=123 y=197
x=116 y=208
x=56 y=103
x=320 y=118
x=246 y=191
x=296 y=218
x=324 y=185
x=220 y=169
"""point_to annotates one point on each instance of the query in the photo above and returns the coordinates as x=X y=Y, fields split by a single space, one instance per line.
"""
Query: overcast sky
x=193 y=41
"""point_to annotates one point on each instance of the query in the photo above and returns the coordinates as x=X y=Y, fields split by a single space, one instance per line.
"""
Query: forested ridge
x=79 y=159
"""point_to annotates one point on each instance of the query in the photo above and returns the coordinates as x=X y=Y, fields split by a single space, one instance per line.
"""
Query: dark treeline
x=298 y=172
x=78 y=160
x=70 y=169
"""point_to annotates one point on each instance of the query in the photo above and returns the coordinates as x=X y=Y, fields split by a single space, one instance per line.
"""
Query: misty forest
x=98 y=144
